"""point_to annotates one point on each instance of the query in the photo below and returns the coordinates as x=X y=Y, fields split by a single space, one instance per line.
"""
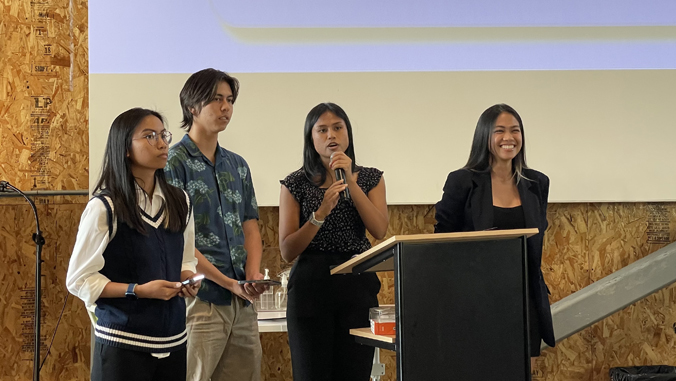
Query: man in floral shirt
x=223 y=341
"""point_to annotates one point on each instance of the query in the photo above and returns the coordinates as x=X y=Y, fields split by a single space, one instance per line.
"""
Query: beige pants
x=223 y=341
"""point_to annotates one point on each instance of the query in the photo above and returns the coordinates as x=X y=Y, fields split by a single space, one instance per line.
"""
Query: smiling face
x=329 y=135
x=506 y=140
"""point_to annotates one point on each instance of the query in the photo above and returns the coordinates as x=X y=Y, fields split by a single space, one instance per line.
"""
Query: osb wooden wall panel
x=69 y=356
x=566 y=270
x=43 y=145
x=44 y=94
x=644 y=332
x=584 y=243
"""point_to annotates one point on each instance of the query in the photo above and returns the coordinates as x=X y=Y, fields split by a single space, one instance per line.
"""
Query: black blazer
x=467 y=205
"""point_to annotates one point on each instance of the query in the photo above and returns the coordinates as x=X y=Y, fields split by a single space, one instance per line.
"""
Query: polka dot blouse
x=343 y=230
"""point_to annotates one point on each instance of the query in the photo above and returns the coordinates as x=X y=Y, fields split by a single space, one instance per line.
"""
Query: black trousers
x=321 y=310
x=117 y=364
x=322 y=348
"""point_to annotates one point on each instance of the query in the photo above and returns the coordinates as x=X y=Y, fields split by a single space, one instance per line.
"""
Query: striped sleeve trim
x=110 y=208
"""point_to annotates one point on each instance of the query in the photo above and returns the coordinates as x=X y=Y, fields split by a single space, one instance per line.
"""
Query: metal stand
x=378 y=368
x=39 y=242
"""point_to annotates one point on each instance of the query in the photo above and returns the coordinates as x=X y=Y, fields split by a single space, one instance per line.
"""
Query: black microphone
x=340 y=175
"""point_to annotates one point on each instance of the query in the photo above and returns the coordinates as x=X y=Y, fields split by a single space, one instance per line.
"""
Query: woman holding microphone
x=323 y=221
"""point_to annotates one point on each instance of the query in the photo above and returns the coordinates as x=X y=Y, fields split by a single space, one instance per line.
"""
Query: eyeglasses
x=153 y=136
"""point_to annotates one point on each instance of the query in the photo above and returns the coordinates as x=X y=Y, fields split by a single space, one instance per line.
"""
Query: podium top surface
x=484 y=235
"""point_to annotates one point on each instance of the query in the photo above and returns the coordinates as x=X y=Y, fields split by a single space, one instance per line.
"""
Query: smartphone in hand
x=268 y=282
x=196 y=278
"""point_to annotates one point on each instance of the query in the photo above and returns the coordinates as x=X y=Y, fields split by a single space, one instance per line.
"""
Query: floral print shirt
x=223 y=198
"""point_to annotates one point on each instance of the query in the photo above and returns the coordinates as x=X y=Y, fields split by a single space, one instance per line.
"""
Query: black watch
x=130 y=294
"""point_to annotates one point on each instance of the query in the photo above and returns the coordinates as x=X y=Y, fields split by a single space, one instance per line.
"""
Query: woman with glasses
x=134 y=247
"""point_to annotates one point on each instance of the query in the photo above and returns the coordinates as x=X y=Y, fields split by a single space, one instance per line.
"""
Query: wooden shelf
x=364 y=336
x=366 y=333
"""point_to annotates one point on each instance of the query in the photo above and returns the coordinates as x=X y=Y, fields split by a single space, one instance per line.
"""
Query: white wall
x=599 y=135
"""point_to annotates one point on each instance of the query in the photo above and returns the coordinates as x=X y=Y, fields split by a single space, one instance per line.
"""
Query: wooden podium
x=461 y=302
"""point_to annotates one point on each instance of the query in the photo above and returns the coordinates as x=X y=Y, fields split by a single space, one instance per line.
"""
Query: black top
x=343 y=230
x=508 y=218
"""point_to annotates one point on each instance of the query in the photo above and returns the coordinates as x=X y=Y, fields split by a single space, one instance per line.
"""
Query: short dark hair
x=480 y=155
x=312 y=162
x=200 y=89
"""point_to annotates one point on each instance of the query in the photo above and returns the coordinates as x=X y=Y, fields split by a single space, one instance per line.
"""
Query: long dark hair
x=312 y=162
x=480 y=155
x=118 y=183
x=200 y=89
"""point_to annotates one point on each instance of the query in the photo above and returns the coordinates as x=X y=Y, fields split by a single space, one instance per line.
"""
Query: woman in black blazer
x=495 y=189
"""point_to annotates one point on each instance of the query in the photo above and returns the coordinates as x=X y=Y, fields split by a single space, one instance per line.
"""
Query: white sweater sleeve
x=189 y=259
x=83 y=278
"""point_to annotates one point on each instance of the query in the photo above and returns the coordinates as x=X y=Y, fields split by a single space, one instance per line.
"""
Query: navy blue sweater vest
x=147 y=325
